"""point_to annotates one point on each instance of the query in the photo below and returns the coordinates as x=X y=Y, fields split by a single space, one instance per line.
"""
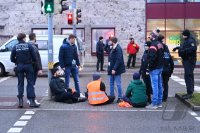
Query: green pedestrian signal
x=49 y=6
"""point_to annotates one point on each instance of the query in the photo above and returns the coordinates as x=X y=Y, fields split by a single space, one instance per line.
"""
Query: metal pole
x=50 y=49
x=74 y=23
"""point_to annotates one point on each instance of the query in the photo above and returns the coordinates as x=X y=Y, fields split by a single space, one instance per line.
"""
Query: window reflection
x=152 y=24
x=174 y=24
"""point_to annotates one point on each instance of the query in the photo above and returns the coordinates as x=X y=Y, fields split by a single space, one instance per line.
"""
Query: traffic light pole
x=50 y=49
x=74 y=24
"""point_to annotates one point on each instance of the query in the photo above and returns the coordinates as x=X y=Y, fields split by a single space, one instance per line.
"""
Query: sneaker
x=187 y=96
x=160 y=105
x=119 y=100
x=81 y=95
x=28 y=102
x=151 y=106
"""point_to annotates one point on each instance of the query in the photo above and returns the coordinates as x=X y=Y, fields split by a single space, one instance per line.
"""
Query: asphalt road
x=54 y=117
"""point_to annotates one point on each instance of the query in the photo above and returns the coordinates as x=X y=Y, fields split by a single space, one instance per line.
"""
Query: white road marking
x=6 y=78
x=192 y=113
x=20 y=123
x=29 y=113
x=198 y=118
x=25 y=117
x=15 y=130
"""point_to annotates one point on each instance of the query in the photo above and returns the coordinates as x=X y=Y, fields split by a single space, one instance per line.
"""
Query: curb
x=186 y=102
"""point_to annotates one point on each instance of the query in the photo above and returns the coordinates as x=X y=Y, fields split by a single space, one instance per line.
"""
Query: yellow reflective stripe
x=97 y=99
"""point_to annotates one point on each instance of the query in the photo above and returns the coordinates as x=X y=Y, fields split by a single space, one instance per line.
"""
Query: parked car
x=6 y=66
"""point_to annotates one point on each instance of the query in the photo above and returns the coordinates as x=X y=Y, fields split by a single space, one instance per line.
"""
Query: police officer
x=187 y=51
x=168 y=68
x=100 y=53
x=23 y=56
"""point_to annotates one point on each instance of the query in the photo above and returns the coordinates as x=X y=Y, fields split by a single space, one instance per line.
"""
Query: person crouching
x=136 y=92
x=59 y=90
x=96 y=92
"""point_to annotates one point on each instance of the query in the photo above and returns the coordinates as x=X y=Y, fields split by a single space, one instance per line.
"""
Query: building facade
x=122 y=18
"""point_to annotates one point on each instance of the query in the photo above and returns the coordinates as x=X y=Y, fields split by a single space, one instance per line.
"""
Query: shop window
x=174 y=0
x=193 y=0
x=152 y=24
x=192 y=24
x=155 y=1
x=80 y=32
x=41 y=31
x=174 y=24
x=104 y=32
x=42 y=44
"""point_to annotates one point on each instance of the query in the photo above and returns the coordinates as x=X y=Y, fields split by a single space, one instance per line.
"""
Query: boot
x=20 y=102
x=33 y=104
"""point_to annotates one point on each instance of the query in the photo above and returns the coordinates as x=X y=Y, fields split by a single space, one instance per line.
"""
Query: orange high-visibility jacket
x=95 y=95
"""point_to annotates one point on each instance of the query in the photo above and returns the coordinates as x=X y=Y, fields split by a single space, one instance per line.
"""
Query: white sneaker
x=28 y=101
x=151 y=106
x=81 y=95
x=160 y=105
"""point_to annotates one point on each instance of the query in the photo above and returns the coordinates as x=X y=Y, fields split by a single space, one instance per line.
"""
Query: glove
x=174 y=49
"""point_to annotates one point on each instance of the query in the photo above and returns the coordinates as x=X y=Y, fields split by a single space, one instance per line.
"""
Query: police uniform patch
x=192 y=44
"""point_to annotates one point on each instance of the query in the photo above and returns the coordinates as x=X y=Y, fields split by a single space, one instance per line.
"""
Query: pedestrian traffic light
x=78 y=16
x=49 y=6
x=70 y=18
x=60 y=6
x=42 y=6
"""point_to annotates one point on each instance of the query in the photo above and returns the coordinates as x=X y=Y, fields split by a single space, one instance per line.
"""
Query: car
x=6 y=66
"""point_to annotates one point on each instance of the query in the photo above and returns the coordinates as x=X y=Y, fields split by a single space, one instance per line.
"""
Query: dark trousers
x=189 y=66
x=165 y=77
x=133 y=58
x=67 y=97
x=147 y=81
x=100 y=60
x=35 y=75
x=74 y=72
x=128 y=100
x=22 y=71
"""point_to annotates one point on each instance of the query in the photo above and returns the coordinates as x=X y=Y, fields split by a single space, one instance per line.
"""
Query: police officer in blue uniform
x=23 y=56
x=187 y=51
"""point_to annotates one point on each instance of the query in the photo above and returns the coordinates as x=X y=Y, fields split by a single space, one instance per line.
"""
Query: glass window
x=193 y=0
x=192 y=24
x=155 y=1
x=97 y=32
x=152 y=24
x=41 y=31
x=174 y=0
x=11 y=44
x=80 y=32
x=174 y=24
x=42 y=44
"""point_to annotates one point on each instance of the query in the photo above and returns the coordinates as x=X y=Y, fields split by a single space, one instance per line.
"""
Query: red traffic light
x=70 y=18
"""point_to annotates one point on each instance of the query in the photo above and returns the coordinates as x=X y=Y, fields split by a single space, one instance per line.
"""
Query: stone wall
x=128 y=17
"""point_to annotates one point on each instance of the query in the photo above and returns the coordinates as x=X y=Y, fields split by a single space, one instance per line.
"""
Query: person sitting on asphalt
x=96 y=92
x=59 y=90
x=136 y=92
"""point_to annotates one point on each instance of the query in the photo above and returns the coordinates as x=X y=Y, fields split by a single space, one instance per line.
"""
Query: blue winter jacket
x=116 y=61
x=68 y=54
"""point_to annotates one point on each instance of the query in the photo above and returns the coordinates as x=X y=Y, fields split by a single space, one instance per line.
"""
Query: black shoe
x=33 y=104
x=82 y=99
x=103 y=70
x=187 y=96
x=119 y=100
x=98 y=71
x=21 y=102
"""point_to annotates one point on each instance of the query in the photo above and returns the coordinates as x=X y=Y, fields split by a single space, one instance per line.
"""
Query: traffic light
x=60 y=6
x=42 y=6
x=78 y=16
x=70 y=18
x=49 y=6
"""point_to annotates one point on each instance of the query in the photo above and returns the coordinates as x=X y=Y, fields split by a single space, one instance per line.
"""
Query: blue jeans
x=74 y=72
x=117 y=79
x=22 y=70
x=156 y=83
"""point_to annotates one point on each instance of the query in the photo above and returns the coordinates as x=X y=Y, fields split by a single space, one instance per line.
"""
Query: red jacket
x=132 y=48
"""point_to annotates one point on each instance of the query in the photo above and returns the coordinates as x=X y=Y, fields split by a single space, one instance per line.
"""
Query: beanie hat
x=148 y=43
x=96 y=76
x=186 y=33
x=100 y=38
x=136 y=76
x=54 y=70
x=155 y=33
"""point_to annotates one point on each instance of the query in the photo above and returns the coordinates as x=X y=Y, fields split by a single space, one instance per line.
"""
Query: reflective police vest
x=95 y=95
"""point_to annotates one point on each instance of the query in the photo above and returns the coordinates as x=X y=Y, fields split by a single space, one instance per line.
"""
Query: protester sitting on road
x=96 y=92
x=59 y=90
x=136 y=92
